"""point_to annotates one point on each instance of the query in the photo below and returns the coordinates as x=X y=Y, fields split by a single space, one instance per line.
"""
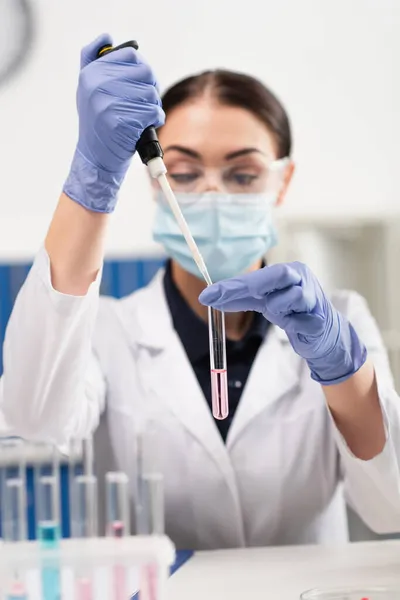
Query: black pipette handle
x=148 y=146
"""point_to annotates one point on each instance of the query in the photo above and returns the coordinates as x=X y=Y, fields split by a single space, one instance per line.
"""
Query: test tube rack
x=94 y=558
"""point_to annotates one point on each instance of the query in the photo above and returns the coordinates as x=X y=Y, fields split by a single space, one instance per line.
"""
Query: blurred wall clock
x=16 y=36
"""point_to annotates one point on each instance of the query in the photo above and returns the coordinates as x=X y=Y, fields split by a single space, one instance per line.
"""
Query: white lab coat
x=283 y=472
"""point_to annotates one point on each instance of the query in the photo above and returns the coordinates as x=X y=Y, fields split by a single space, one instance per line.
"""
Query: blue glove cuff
x=346 y=358
x=92 y=188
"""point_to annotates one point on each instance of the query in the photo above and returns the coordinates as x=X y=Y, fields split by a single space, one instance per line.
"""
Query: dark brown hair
x=236 y=89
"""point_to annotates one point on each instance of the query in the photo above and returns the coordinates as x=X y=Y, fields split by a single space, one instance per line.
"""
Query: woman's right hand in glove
x=117 y=99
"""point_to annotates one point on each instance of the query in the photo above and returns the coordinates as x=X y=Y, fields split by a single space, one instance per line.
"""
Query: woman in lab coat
x=314 y=418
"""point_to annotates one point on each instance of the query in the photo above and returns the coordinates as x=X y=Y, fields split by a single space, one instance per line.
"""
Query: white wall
x=336 y=65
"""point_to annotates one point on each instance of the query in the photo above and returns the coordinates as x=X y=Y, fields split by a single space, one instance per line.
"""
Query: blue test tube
x=48 y=517
x=47 y=488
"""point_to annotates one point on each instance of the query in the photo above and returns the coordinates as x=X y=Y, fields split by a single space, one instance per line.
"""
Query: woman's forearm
x=355 y=407
x=75 y=245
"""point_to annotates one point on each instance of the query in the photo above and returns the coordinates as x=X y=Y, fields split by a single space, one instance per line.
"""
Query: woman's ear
x=289 y=172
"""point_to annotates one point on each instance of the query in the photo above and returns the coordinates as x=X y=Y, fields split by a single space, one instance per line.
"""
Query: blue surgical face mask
x=232 y=231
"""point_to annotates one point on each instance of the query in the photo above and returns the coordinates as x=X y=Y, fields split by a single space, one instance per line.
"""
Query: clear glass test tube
x=139 y=507
x=149 y=501
x=219 y=378
x=85 y=510
x=117 y=504
x=74 y=461
x=149 y=504
x=14 y=509
x=118 y=524
x=14 y=504
x=88 y=456
x=153 y=503
x=84 y=525
x=216 y=320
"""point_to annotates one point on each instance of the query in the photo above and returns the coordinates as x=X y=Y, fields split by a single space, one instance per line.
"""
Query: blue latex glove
x=290 y=296
x=117 y=99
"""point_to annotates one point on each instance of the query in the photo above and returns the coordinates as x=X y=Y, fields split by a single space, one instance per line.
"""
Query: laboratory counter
x=283 y=573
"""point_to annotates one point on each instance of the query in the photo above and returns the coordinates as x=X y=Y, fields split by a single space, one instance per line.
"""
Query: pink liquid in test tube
x=148 y=583
x=117 y=514
x=84 y=589
x=84 y=507
x=219 y=393
x=118 y=529
x=120 y=582
x=17 y=592
x=119 y=572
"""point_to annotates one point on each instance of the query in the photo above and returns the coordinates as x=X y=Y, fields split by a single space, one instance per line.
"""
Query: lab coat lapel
x=275 y=373
x=171 y=377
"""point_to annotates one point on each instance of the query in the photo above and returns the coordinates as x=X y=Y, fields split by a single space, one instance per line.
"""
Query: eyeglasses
x=235 y=179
